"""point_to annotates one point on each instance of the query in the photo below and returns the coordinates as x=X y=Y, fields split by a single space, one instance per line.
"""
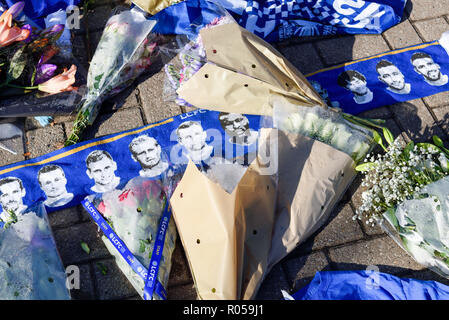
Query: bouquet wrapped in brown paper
x=302 y=168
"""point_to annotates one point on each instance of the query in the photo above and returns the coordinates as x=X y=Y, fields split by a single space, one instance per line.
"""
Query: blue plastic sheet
x=183 y=18
x=369 y=285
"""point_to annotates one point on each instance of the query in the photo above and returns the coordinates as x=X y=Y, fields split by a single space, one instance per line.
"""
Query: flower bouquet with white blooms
x=350 y=134
x=124 y=52
x=407 y=193
x=30 y=266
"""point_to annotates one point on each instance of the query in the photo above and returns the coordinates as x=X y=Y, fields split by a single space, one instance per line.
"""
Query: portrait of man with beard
x=425 y=66
x=390 y=75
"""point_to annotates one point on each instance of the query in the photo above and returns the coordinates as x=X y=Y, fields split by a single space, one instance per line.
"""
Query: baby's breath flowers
x=398 y=174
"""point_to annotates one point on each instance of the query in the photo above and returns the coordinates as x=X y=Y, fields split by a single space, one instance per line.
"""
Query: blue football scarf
x=280 y=19
x=276 y=20
x=387 y=78
x=78 y=183
x=369 y=285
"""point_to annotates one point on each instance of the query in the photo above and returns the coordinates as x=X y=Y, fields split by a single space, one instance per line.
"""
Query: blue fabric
x=382 y=94
x=369 y=285
x=72 y=160
x=276 y=20
x=36 y=10
x=178 y=18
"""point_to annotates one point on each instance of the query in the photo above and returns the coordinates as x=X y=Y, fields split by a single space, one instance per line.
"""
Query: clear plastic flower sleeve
x=420 y=226
x=30 y=265
x=135 y=213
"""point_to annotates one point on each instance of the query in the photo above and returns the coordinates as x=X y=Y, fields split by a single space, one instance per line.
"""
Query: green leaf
x=17 y=65
x=439 y=143
x=428 y=146
x=33 y=77
x=102 y=268
x=85 y=247
x=408 y=148
x=367 y=166
x=388 y=136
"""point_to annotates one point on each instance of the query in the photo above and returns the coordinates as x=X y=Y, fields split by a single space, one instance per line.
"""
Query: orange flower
x=60 y=83
x=8 y=33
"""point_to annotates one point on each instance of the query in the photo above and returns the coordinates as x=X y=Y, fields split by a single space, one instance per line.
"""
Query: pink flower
x=10 y=33
x=60 y=83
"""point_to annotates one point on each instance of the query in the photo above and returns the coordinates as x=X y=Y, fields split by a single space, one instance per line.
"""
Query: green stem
x=19 y=87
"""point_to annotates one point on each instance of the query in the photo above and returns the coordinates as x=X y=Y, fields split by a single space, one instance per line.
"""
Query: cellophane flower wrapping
x=134 y=213
x=190 y=57
x=125 y=51
x=420 y=225
x=30 y=265
x=324 y=125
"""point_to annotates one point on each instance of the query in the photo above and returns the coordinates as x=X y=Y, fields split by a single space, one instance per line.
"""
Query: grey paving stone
x=274 y=282
x=119 y=121
x=65 y=217
x=97 y=17
x=437 y=100
x=377 y=113
x=339 y=229
x=382 y=252
x=151 y=94
x=112 y=285
x=68 y=242
x=301 y=270
x=44 y=140
x=304 y=57
x=180 y=272
x=426 y=275
x=431 y=30
x=86 y=287
x=79 y=49
x=15 y=144
x=336 y=50
x=124 y=100
x=345 y=49
x=402 y=35
x=414 y=117
x=442 y=114
x=368 y=45
x=185 y=292
x=425 y=9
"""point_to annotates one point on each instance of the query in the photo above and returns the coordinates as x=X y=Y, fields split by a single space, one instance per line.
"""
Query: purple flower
x=16 y=9
x=30 y=37
x=44 y=72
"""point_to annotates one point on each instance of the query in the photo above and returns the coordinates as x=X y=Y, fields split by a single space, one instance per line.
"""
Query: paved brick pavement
x=341 y=244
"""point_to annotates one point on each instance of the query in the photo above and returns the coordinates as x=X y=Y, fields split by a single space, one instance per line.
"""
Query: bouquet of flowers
x=123 y=53
x=31 y=68
x=191 y=57
x=407 y=193
x=25 y=54
x=347 y=133
x=135 y=214
x=30 y=266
